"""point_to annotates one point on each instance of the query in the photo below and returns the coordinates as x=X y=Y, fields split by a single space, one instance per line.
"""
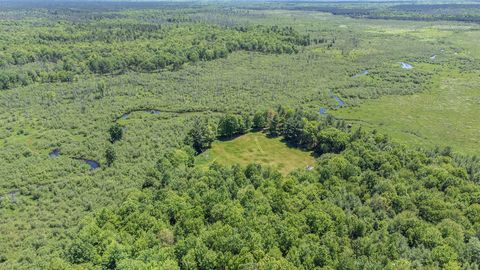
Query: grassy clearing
x=446 y=116
x=256 y=148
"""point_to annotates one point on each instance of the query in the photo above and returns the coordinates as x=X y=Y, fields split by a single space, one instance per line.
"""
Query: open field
x=257 y=148
x=447 y=116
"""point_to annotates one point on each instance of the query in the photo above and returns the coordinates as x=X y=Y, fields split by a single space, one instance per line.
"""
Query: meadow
x=257 y=148
x=445 y=116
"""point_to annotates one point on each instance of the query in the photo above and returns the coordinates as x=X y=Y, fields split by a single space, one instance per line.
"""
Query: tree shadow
x=299 y=147
x=230 y=138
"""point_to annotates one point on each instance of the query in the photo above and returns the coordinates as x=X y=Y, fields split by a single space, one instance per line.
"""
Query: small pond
x=365 y=72
x=92 y=163
x=406 y=65
x=339 y=100
x=55 y=153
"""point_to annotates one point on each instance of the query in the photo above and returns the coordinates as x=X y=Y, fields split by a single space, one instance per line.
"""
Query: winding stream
x=365 y=72
x=55 y=153
x=92 y=163
x=127 y=114
x=339 y=101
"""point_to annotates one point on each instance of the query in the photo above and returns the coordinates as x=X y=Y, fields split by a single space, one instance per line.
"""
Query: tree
x=293 y=128
x=346 y=214
x=229 y=126
x=309 y=134
x=473 y=250
x=444 y=254
x=246 y=124
x=259 y=121
x=113 y=255
x=110 y=156
x=201 y=136
x=273 y=126
x=116 y=133
x=331 y=140
x=80 y=251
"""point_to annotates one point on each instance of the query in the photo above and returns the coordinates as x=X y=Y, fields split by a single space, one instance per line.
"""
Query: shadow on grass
x=233 y=137
x=303 y=149
x=230 y=138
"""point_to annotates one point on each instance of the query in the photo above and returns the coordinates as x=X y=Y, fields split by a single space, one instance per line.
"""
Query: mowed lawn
x=449 y=115
x=256 y=148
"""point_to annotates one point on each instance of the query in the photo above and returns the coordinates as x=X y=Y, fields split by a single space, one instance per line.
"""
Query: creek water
x=55 y=153
x=406 y=65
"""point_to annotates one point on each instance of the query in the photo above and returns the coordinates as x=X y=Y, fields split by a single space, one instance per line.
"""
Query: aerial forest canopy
x=369 y=204
x=273 y=135
x=57 y=52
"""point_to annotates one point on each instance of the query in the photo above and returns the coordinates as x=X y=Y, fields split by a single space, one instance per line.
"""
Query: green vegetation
x=256 y=148
x=116 y=133
x=374 y=204
x=140 y=135
x=59 y=52
x=445 y=116
x=464 y=11
x=110 y=156
x=201 y=136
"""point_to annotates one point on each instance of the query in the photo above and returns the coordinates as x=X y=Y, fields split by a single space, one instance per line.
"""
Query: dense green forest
x=239 y=135
x=398 y=10
x=59 y=52
x=370 y=204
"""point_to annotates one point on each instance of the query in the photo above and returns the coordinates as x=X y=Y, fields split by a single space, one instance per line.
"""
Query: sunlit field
x=257 y=148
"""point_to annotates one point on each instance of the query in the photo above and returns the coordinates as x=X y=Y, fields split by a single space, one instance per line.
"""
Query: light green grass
x=449 y=115
x=256 y=148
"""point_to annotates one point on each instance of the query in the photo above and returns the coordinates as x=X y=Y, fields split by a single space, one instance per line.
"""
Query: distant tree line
x=308 y=131
x=415 y=12
x=59 y=55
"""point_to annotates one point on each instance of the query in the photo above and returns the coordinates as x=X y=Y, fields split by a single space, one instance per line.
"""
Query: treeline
x=369 y=204
x=413 y=12
x=309 y=131
x=298 y=128
x=61 y=53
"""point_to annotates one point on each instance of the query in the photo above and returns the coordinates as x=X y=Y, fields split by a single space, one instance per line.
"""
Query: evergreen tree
x=116 y=133
x=293 y=128
x=273 y=126
x=110 y=156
